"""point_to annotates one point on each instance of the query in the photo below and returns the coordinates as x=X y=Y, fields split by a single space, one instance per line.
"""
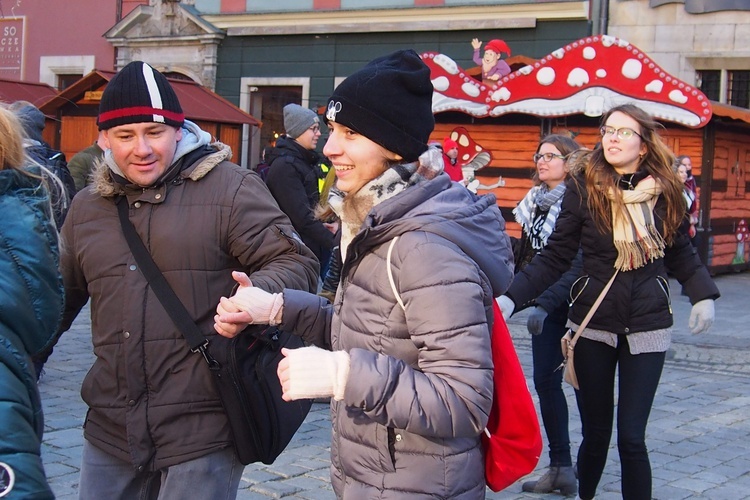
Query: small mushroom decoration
x=472 y=157
x=587 y=76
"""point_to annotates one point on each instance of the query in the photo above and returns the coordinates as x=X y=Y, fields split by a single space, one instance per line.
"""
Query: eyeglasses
x=547 y=157
x=624 y=133
x=315 y=128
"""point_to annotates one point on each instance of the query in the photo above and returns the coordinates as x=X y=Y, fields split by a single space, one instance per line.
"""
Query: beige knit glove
x=311 y=372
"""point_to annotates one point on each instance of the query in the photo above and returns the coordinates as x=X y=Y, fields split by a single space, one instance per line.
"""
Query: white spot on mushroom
x=441 y=84
x=558 y=54
x=608 y=41
x=448 y=64
x=502 y=94
x=601 y=73
x=589 y=53
x=526 y=70
x=578 y=77
x=654 y=86
x=632 y=69
x=470 y=89
x=545 y=76
x=678 y=97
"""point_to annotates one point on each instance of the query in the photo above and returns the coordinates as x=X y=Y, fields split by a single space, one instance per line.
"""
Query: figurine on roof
x=493 y=67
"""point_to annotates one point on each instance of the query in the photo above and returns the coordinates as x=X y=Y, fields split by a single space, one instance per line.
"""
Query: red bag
x=512 y=440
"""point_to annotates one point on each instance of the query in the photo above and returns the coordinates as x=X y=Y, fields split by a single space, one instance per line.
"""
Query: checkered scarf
x=353 y=208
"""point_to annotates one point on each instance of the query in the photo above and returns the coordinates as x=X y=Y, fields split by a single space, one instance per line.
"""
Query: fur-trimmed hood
x=193 y=139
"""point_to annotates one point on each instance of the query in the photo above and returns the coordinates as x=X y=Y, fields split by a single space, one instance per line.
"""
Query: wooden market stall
x=76 y=108
x=567 y=92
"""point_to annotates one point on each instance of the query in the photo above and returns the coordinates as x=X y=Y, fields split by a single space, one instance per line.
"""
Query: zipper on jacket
x=583 y=287
x=664 y=285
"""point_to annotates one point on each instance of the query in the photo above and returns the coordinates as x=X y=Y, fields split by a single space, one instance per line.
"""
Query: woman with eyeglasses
x=623 y=211
x=537 y=214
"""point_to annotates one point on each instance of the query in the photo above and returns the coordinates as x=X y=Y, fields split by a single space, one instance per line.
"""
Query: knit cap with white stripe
x=139 y=94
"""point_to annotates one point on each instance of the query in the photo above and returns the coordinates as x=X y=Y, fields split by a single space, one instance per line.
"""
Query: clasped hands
x=305 y=373
x=249 y=305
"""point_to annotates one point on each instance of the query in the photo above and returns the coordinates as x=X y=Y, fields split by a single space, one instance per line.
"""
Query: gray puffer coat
x=420 y=385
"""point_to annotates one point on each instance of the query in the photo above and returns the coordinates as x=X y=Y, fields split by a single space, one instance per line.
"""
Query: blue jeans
x=215 y=476
x=639 y=375
x=547 y=356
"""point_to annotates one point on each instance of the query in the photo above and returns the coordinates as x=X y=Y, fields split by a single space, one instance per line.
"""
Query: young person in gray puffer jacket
x=404 y=350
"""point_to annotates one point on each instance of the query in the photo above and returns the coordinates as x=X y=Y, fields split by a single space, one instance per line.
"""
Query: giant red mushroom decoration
x=588 y=76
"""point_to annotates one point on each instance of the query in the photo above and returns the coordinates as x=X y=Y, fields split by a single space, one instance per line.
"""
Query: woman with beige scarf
x=624 y=210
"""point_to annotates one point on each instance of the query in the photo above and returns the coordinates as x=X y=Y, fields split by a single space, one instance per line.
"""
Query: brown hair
x=564 y=144
x=601 y=177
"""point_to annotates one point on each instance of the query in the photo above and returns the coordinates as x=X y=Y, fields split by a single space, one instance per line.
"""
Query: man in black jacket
x=293 y=180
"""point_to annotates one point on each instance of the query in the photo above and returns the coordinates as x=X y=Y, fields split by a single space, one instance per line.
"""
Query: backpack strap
x=390 y=273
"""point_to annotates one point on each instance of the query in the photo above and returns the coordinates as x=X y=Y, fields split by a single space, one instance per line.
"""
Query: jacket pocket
x=664 y=286
x=577 y=288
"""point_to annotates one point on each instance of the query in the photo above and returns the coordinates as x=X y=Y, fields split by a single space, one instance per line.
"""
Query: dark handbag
x=244 y=367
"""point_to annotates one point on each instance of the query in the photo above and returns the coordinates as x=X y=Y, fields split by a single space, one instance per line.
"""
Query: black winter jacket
x=639 y=299
x=293 y=182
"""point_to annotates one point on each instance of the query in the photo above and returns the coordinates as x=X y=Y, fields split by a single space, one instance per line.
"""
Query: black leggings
x=595 y=364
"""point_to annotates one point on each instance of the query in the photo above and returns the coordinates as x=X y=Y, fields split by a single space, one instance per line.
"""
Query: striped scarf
x=543 y=199
x=634 y=232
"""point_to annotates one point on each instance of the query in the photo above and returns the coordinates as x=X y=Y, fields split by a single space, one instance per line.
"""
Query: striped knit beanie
x=137 y=94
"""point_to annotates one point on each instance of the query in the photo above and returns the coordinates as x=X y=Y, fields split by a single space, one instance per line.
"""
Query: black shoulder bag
x=244 y=367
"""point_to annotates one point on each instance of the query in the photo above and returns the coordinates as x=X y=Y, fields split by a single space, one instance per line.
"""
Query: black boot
x=556 y=478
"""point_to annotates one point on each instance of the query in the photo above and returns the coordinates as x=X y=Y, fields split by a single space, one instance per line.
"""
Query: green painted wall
x=325 y=57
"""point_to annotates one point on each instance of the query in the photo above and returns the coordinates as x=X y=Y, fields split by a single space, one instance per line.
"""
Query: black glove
x=536 y=320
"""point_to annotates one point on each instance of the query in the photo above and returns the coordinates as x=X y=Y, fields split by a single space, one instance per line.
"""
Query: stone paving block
x=275 y=489
x=253 y=476
x=670 y=493
x=319 y=494
x=53 y=469
x=685 y=468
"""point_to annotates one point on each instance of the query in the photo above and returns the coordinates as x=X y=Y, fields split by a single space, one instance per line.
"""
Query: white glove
x=311 y=372
x=701 y=316
x=262 y=307
x=506 y=306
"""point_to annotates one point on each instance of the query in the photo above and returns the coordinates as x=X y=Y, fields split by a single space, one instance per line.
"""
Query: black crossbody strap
x=169 y=300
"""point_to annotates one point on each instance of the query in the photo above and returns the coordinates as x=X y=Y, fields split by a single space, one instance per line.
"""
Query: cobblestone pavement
x=698 y=434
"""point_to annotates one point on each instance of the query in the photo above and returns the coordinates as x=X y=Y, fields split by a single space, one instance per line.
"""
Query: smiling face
x=490 y=57
x=356 y=159
x=551 y=172
x=623 y=154
x=143 y=151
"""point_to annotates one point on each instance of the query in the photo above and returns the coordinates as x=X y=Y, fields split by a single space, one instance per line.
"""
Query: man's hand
x=475 y=43
x=248 y=305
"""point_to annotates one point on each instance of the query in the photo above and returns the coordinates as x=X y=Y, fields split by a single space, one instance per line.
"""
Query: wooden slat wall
x=729 y=205
x=512 y=147
x=79 y=132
